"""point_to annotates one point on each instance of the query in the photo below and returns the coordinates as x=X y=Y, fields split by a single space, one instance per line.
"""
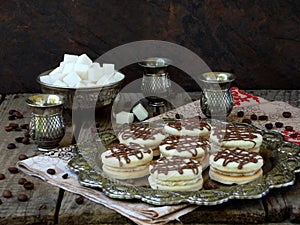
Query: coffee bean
x=19 y=139
x=13 y=169
x=294 y=135
x=240 y=113
x=28 y=185
x=18 y=129
x=22 y=157
x=25 y=126
x=11 y=146
x=22 y=181
x=263 y=117
x=11 y=117
x=253 y=117
x=289 y=128
x=79 y=200
x=269 y=126
x=27 y=134
x=10 y=112
x=7 y=193
x=22 y=197
x=51 y=171
x=18 y=115
x=278 y=124
x=2 y=176
x=25 y=141
x=246 y=121
x=286 y=114
x=8 y=128
x=65 y=176
x=13 y=125
x=178 y=116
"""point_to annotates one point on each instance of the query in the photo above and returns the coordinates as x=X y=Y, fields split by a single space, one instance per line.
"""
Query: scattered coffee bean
x=289 y=128
x=65 y=176
x=22 y=157
x=286 y=114
x=79 y=200
x=28 y=185
x=25 y=141
x=8 y=128
x=27 y=134
x=178 y=116
x=263 y=117
x=7 y=194
x=13 y=125
x=18 y=115
x=278 y=124
x=25 y=126
x=11 y=117
x=11 y=146
x=269 y=126
x=51 y=171
x=22 y=197
x=246 y=121
x=22 y=181
x=18 y=129
x=2 y=176
x=253 y=117
x=13 y=169
x=10 y=112
x=19 y=139
x=294 y=135
x=240 y=113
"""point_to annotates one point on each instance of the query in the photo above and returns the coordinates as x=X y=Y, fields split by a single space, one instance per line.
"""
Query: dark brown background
x=259 y=41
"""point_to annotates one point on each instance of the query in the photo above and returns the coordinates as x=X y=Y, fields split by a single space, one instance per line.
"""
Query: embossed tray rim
x=281 y=175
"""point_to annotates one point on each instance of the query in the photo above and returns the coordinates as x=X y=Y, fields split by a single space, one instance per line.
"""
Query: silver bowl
x=84 y=98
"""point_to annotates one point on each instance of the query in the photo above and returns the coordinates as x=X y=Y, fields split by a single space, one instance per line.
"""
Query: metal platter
x=282 y=161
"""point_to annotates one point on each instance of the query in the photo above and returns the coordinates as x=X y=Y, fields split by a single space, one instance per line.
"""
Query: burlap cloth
x=142 y=213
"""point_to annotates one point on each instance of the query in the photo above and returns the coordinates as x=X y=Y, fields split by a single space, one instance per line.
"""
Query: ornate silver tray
x=282 y=161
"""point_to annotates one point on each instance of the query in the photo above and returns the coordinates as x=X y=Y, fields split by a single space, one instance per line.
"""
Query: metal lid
x=45 y=100
x=155 y=62
x=217 y=77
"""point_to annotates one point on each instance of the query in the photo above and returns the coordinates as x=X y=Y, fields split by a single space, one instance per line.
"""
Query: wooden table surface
x=48 y=204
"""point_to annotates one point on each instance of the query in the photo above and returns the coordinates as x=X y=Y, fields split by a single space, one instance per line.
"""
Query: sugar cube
x=108 y=69
x=95 y=72
x=84 y=59
x=71 y=79
x=80 y=84
x=124 y=117
x=70 y=58
x=68 y=68
x=45 y=79
x=56 y=70
x=81 y=70
x=56 y=76
x=140 y=112
x=59 y=83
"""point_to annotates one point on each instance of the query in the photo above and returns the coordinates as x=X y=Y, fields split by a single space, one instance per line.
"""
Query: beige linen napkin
x=140 y=213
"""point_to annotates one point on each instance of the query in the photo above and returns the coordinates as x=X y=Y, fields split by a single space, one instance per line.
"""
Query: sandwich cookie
x=235 y=136
x=130 y=161
x=188 y=126
x=235 y=166
x=192 y=147
x=142 y=135
x=175 y=174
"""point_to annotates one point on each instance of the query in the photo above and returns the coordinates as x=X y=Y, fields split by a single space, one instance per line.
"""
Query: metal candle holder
x=155 y=83
x=46 y=126
x=215 y=98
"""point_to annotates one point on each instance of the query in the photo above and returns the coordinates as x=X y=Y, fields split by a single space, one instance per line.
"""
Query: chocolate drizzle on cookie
x=239 y=156
x=189 y=124
x=135 y=131
x=186 y=143
x=125 y=151
x=164 y=165
x=235 y=133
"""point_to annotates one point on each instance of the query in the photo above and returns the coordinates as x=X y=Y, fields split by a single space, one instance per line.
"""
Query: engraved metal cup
x=155 y=83
x=215 y=97
x=46 y=126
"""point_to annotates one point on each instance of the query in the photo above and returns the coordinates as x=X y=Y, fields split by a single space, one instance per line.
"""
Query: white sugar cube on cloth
x=124 y=117
x=84 y=59
x=140 y=112
x=108 y=69
x=95 y=72
x=70 y=58
x=81 y=70
x=72 y=79
x=60 y=83
x=68 y=68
